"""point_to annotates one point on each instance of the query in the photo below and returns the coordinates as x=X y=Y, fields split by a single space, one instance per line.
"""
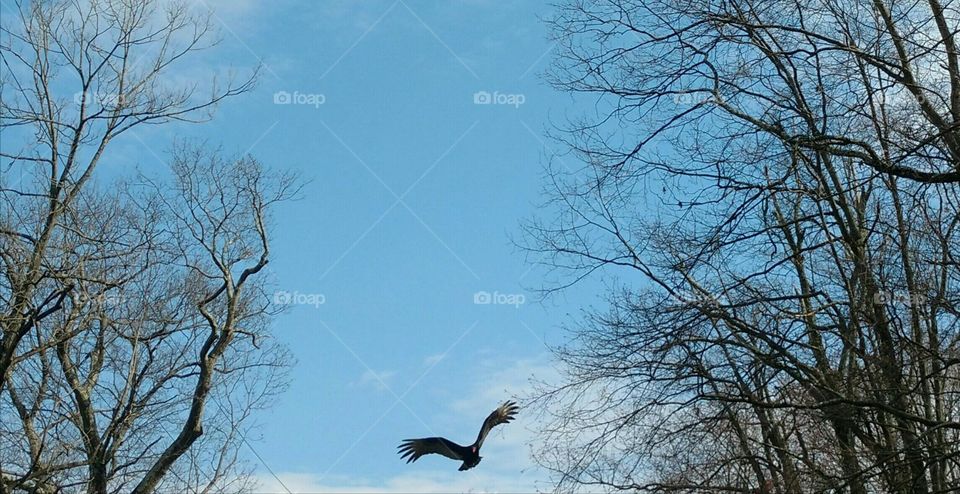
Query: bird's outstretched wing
x=501 y=415
x=412 y=449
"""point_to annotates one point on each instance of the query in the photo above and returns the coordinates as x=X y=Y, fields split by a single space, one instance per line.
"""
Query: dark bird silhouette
x=413 y=449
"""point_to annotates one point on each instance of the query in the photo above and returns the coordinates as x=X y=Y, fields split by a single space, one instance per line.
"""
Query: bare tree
x=147 y=376
x=76 y=75
x=775 y=186
x=134 y=315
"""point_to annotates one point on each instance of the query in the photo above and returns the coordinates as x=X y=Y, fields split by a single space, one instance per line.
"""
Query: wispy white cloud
x=506 y=467
x=432 y=360
x=378 y=379
x=421 y=481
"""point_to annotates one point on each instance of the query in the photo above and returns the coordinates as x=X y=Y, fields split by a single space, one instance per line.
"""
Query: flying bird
x=413 y=449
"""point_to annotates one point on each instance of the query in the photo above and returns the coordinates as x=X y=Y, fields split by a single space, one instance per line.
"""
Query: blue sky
x=413 y=192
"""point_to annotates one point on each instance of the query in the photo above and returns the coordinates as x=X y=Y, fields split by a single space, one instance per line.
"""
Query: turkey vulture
x=412 y=449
